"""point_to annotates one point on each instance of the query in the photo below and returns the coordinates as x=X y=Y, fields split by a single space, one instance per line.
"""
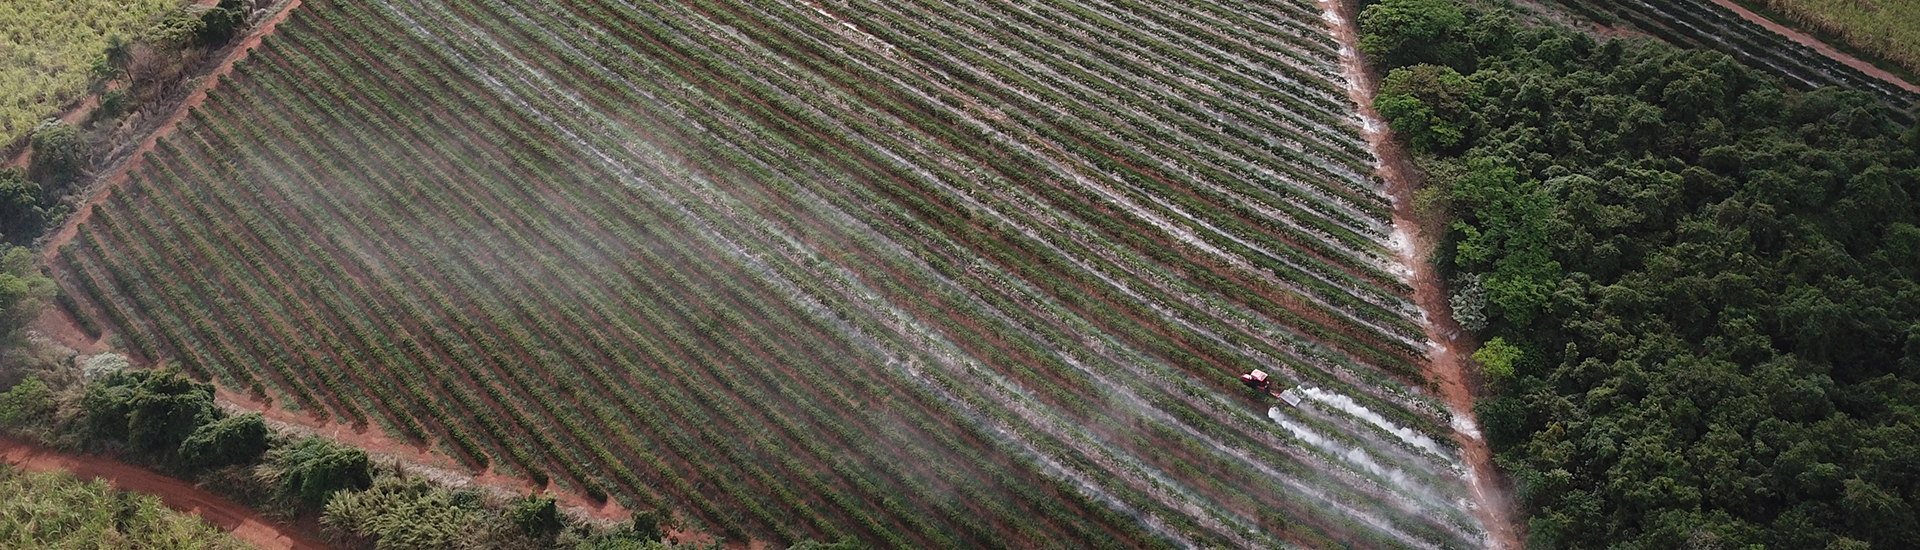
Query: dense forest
x=1696 y=288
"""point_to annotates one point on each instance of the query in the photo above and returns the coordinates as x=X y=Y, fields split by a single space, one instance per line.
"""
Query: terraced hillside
x=924 y=276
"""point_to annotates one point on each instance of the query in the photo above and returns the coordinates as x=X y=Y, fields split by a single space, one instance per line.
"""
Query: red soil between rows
x=1446 y=366
x=59 y=324
x=243 y=523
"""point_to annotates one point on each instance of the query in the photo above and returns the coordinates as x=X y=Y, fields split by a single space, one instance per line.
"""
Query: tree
x=232 y=440
x=648 y=525
x=114 y=60
x=152 y=411
x=119 y=51
x=59 y=155
x=104 y=365
x=312 y=470
x=1407 y=32
x=1702 y=288
x=1430 y=106
x=27 y=405
x=21 y=217
x=1496 y=358
x=220 y=24
x=538 y=517
x=23 y=290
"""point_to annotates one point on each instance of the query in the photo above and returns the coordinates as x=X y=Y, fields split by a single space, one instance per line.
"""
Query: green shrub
x=1496 y=358
x=27 y=405
x=151 y=411
x=310 y=471
x=233 y=440
x=403 y=513
x=538 y=517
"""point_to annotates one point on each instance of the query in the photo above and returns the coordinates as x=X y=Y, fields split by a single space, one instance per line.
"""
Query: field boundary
x=1445 y=367
x=118 y=168
x=1823 y=48
x=243 y=523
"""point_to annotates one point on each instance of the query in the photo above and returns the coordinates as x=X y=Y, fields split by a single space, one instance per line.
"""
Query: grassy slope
x=1886 y=28
x=48 y=46
x=57 y=510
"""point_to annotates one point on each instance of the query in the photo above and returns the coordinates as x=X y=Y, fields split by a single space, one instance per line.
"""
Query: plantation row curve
x=923 y=276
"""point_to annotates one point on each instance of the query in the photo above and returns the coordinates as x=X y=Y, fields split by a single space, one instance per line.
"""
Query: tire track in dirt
x=1445 y=368
x=236 y=52
x=243 y=523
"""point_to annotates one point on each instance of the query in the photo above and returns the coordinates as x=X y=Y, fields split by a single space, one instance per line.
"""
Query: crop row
x=712 y=256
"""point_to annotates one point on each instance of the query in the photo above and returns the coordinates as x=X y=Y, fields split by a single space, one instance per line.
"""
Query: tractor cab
x=1256 y=380
x=1259 y=380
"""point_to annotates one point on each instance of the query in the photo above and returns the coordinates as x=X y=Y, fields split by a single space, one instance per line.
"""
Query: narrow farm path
x=1827 y=50
x=118 y=171
x=1445 y=366
x=245 y=524
x=71 y=116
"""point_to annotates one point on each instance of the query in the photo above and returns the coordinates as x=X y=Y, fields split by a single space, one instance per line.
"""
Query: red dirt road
x=1809 y=41
x=235 y=53
x=1445 y=366
x=244 y=523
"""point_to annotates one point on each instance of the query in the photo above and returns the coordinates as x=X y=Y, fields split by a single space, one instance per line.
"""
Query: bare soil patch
x=56 y=323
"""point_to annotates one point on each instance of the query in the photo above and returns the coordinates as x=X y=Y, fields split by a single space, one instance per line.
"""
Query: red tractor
x=1258 y=380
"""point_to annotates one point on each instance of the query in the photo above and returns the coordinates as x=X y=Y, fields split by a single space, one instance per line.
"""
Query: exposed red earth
x=245 y=524
x=56 y=323
x=1446 y=367
x=1809 y=41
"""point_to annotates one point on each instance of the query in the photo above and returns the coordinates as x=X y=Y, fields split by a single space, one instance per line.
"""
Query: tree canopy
x=1698 y=287
x=153 y=412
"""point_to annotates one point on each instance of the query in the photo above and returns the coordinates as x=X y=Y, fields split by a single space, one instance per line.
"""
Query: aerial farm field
x=922 y=274
x=1883 y=27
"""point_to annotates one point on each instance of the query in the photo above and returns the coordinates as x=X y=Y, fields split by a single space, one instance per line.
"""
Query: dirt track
x=244 y=523
x=1445 y=366
x=1809 y=41
x=235 y=53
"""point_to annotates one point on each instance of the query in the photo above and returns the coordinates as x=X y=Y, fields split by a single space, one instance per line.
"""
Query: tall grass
x=1889 y=29
x=47 y=48
x=49 y=510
